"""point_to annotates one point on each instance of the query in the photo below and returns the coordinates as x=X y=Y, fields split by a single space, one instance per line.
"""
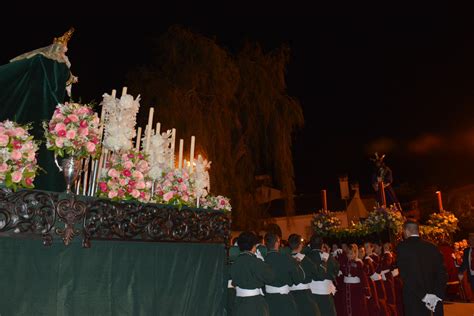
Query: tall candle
x=181 y=147
x=124 y=91
x=149 y=128
x=440 y=201
x=324 y=199
x=173 y=141
x=191 y=153
x=138 y=139
x=158 y=128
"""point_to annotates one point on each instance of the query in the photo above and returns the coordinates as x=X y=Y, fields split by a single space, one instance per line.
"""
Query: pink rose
x=73 y=117
x=67 y=121
x=83 y=124
x=128 y=165
x=62 y=133
x=3 y=167
x=142 y=166
x=83 y=132
x=185 y=197
x=141 y=185
x=127 y=173
x=29 y=182
x=120 y=192
x=122 y=181
x=103 y=186
x=129 y=189
x=168 y=196
x=2 y=129
x=95 y=120
x=90 y=147
x=71 y=134
x=59 y=127
x=137 y=175
x=31 y=156
x=132 y=183
x=113 y=173
x=17 y=176
x=4 y=140
x=135 y=193
x=82 y=110
x=125 y=157
x=131 y=155
x=16 y=144
x=183 y=187
x=16 y=155
x=167 y=183
x=112 y=194
x=59 y=142
x=19 y=131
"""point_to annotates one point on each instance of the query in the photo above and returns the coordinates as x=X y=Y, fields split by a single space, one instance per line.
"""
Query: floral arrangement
x=160 y=154
x=125 y=178
x=18 y=165
x=383 y=218
x=216 y=203
x=446 y=221
x=73 y=130
x=432 y=233
x=120 y=121
x=175 y=187
x=202 y=183
x=324 y=222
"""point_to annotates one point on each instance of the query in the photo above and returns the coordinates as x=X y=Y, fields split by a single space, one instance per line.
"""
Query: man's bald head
x=411 y=228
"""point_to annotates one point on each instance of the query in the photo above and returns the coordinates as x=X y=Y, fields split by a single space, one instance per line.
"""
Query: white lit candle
x=138 y=139
x=191 y=153
x=149 y=128
x=181 y=147
x=158 y=128
x=124 y=91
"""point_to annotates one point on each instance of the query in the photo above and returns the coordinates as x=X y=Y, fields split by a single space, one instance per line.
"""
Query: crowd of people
x=302 y=277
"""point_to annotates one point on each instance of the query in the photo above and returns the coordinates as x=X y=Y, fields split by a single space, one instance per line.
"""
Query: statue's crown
x=65 y=38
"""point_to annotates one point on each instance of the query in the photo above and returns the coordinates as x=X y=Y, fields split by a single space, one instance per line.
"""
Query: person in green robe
x=249 y=274
x=301 y=292
x=232 y=255
x=287 y=272
x=322 y=286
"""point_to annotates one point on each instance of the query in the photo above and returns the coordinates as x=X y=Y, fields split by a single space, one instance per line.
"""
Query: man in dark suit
x=468 y=262
x=423 y=273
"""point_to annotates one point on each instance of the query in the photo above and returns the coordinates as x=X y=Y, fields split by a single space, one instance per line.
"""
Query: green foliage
x=237 y=107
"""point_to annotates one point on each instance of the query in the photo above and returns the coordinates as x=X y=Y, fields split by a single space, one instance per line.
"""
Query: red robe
x=376 y=305
x=356 y=293
x=449 y=262
x=385 y=266
x=398 y=285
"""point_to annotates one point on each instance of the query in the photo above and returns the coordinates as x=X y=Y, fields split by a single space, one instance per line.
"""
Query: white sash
x=325 y=287
x=395 y=272
x=376 y=277
x=247 y=293
x=285 y=289
x=351 y=280
x=383 y=274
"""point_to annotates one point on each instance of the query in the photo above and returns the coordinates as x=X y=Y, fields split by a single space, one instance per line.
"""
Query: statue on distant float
x=382 y=174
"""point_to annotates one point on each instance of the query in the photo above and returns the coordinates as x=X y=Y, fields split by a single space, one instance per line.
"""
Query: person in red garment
x=340 y=297
x=356 y=285
x=385 y=265
x=397 y=281
x=449 y=262
x=373 y=301
x=372 y=260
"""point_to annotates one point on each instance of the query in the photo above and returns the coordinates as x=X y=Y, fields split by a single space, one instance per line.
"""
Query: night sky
x=402 y=85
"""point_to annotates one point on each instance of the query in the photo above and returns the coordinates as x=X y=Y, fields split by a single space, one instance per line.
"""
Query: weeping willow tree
x=237 y=107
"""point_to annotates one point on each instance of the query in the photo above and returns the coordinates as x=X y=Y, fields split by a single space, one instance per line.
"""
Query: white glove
x=430 y=301
x=259 y=255
x=332 y=288
x=324 y=256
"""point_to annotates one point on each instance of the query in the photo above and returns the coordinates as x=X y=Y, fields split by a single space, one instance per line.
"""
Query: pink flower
x=83 y=124
x=59 y=127
x=59 y=142
x=103 y=186
x=16 y=144
x=31 y=156
x=168 y=196
x=185 y=197
x=125 y=157
x=113 y=173
x=122 y=181
x=83 y=132
x=29 y=182
x=19 y=131
x=73 y=117
x=120 y=192
x=62 y=133
x=82 y=110
x=130 y=155
x=128 y=165
x=132 y=183
x=129 y=189
x=183 y=187
x=142 y=166
x=140 y=185
x=137 y=175
x=71 y=134
x=90 y=147
x=127 y=173
x=3 y=167
x=135 y=193
x=4 y=140
x=112 y=194
x=16 y=155
x=17 y=176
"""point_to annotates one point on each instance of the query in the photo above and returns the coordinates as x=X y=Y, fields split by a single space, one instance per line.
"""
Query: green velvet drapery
x=30 y=89
x=111 y=278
